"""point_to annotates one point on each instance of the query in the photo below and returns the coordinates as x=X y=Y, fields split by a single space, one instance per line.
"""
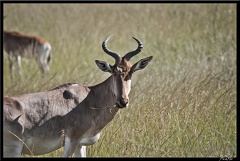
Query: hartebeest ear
x=104 y=66
x=141 y=64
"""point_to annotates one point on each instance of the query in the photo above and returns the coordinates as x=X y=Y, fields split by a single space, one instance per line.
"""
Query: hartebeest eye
x=119 y=71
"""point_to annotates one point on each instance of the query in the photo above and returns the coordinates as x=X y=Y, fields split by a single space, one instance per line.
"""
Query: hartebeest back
x=18 y=45
x=70 y=115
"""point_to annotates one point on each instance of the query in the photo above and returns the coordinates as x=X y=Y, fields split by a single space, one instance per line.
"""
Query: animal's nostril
x=124 y=101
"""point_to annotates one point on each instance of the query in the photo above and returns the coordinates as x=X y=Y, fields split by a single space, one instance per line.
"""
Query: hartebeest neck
x=103 y=94
x=97 y=109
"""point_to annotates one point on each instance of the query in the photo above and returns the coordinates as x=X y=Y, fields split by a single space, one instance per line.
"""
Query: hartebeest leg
x=42 y=66
x=44 y=59
x=12 y=60
x=11 y=64
x=69 y=147
x=80 y=151
x=19 y=66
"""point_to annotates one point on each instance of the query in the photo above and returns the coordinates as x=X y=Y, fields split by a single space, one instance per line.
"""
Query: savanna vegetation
x=183 y=104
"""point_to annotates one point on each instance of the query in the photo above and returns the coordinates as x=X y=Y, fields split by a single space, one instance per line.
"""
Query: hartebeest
x=18 y=45
x=70 y=115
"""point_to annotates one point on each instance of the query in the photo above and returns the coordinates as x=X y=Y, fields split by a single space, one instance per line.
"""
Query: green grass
x=182 y=105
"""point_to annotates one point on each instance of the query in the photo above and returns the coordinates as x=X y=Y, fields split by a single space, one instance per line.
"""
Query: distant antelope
x=18 y=45
x=70 y=115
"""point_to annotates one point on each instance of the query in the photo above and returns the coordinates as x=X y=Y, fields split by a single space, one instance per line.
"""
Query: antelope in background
x=70 y=115
x=18 y=45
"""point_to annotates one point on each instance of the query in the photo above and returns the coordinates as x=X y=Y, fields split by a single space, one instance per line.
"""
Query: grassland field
x=183 y=104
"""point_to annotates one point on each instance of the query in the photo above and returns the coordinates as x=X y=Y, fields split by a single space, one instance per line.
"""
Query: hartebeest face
x=122 y=71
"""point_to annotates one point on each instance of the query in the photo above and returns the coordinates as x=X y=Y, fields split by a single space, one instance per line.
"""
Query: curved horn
x=129 y=55
x=115 y=55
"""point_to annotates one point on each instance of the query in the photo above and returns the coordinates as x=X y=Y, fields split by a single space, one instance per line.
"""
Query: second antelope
x=70 y=115
x=18 y=45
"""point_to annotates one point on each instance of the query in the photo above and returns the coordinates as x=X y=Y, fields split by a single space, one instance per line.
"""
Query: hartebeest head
x=122 y=71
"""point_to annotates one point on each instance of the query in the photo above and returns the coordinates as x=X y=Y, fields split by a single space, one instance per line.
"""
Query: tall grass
x=182 y=105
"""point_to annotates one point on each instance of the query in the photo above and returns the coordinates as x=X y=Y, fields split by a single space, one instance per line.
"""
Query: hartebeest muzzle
x=122 y=103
